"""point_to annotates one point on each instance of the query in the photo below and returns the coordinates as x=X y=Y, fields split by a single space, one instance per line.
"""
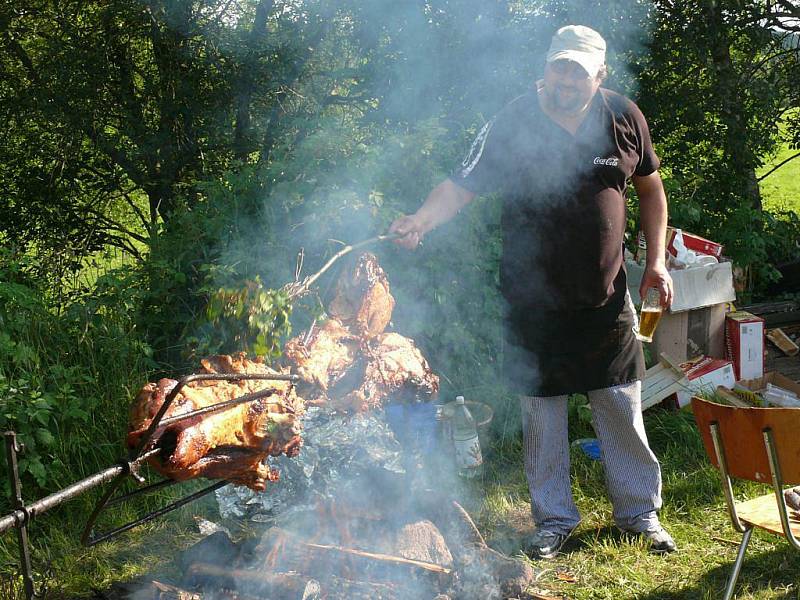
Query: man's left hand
x=657 y=276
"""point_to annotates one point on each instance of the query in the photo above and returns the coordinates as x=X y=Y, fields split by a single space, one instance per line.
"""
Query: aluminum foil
x=334 y=446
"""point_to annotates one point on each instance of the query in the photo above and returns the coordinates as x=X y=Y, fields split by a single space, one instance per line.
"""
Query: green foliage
x=718 y=87
x=66 y=375
x=249 y=318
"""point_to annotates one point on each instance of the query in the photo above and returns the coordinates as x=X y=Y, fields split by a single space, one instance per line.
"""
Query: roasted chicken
x=230 y=444
x=395 y=370
x=347 y=361
x=329 y=353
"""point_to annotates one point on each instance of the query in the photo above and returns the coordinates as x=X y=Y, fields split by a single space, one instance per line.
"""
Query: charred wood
x=286 y=585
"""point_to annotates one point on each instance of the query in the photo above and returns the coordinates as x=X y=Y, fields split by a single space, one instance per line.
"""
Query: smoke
x=426 y=76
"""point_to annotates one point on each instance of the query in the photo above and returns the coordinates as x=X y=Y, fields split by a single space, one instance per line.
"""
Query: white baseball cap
x=580 y=44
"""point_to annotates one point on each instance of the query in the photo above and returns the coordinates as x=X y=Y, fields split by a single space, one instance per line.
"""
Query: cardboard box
x=751 y=389
x=693 y=242
x=704 y=375
x=691 y=333
x=744 y=344
x=693 y=288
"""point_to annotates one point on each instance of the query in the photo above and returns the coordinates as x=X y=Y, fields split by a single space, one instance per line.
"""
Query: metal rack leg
x=12 y=448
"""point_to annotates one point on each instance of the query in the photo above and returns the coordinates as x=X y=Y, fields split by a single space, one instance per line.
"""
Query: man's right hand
x=441 y=205
x=410 y=228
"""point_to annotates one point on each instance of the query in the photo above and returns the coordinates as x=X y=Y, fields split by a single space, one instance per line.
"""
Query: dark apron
x=566 y=352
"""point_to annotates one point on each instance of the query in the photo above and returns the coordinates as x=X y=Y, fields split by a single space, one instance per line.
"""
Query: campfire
x=350 y=550
x=351 y=517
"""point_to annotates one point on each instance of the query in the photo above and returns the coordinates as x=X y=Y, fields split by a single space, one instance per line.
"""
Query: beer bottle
x=467 y=446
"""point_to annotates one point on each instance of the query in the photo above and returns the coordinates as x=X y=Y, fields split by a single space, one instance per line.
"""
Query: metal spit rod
x=23 y=514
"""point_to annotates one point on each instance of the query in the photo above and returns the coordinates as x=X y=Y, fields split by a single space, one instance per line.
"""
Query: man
x=560 y=157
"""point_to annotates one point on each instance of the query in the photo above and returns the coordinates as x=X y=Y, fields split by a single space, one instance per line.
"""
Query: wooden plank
x=662 y=380
x=763 y=512
x=765 y=308
x=730 y=397
x=654 y=399
x=782 y=341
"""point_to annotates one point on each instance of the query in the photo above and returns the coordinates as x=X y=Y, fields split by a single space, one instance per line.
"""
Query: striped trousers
x=633 y=474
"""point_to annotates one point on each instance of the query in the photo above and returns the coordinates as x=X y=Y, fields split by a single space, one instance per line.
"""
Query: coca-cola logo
x=611 y=161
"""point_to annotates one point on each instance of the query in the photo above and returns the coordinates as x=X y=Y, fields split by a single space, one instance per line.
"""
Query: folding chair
x=758 y=444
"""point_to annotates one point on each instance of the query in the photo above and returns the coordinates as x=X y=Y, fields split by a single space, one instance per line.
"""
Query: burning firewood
x=283 y=585
x=230 y=444
x=164 y=591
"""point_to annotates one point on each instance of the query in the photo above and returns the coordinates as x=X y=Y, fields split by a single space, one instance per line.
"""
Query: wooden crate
x=662 y=380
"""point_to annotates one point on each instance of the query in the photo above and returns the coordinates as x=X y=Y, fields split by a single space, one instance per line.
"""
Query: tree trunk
x=243 y=144
x=732 y=109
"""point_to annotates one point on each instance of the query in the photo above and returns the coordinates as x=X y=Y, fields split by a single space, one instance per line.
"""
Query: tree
x=115 y=111
x=729 y=64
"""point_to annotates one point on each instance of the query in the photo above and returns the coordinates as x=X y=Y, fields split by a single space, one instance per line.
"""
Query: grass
x=781 y=189
x=71 y=571
x=597 y=563
x=600 y=563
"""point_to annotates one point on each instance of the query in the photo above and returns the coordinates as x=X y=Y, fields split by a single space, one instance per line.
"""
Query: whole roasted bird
x=230 y=444
x=394 y=370
x=326 y=356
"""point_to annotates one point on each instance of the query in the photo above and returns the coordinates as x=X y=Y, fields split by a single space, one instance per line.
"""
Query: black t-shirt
x=563 y=222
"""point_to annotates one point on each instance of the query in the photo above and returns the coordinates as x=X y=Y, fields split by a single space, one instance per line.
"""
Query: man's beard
x=568 y=103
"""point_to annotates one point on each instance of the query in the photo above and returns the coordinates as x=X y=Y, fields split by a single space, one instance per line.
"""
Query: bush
x=67 y=374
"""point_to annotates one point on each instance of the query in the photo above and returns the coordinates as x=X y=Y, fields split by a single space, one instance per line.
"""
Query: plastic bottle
x=469 y=460
x=443 y=431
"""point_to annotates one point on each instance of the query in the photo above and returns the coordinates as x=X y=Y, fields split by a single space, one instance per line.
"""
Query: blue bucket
x=414 y=425
x=590 y=447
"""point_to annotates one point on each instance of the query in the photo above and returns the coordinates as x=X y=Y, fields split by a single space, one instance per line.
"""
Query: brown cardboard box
x=750 y=388
x=690 y=333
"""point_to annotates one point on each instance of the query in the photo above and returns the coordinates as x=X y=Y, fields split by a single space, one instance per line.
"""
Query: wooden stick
x=471 y=529
x=724 y=541
x=399 y=560
x=297 y=289
x=163 y=591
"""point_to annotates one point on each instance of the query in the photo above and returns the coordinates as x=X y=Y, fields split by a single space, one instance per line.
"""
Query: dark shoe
x=661 y=542
x=544 y=544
